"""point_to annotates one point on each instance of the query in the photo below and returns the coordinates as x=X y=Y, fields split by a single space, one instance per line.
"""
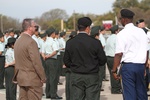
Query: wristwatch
x=112 y=71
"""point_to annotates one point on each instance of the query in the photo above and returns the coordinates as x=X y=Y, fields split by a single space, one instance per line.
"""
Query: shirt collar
x=129 y=25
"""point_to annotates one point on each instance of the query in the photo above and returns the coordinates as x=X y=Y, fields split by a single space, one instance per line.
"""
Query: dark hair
x=26 y=23
x=10 y=45
x=36 y=28
x=81 y=28
x=97 y=34
x=62 y=34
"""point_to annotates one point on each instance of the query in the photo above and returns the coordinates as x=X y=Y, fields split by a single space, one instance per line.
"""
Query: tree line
x=52 y=18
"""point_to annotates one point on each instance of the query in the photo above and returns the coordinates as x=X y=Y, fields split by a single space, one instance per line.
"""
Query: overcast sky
x=21 y=9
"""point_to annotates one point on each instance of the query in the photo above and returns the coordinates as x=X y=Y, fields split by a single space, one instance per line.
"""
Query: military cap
x=17 y=31
x=1 y=34
x=140 y=21
x=114 y=29
x=36 y=28
x=102 y=28
x=125 y=13
x=84 y=22
x=95 y=30
x=42 y=35
x=11 y=40
x=50 y=31
x=56 y=32
x=73 y=33
x=62 y=34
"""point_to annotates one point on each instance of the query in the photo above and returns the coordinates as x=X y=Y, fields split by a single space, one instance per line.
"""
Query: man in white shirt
x=132 y=52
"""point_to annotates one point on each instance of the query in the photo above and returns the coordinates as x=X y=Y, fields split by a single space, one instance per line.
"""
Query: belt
x=110 y=57
x=2 y=56
x=50 y=58
x=131 y=63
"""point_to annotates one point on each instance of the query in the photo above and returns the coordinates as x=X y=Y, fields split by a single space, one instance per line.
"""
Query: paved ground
x=105 y=95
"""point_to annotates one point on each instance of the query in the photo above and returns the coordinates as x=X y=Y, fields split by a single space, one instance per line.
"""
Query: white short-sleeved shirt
x=9 y=56
x=110 y=45
x=62 y=43
x=41 y=44
x=36 y=40
x=58 y=47
x=50 y=46
x=2 y=48
x=133 y=43
x=102 y=39
x=148 y=35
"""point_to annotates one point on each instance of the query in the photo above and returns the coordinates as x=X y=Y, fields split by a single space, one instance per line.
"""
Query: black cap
x=1 y=34
x=50 y=31
x=17 y=31
x=73 y=33
x=62 y=34
x=102 y=28
x=11 y=40
x=84 y=22
x=139 y=21
x=42 y=35
x=95 y=30
x=125 y=13
x=36 y=28
x=56 y=32
x=114 y=29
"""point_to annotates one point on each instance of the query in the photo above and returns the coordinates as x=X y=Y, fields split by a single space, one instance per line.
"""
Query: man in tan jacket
x=29 y=73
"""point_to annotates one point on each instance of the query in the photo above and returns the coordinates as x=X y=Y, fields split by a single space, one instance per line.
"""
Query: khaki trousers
x=30 y=93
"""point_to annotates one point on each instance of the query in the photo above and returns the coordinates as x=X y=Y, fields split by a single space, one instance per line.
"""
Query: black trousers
x=52 y=78
x=85 y=86
x=68 y=88
x=2 y=71
x=59 y=65
x=63 y=70
x=11 y=88
x=115 y=84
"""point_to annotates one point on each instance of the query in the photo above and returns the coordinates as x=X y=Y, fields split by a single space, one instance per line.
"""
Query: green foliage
x=145 y=5
x=9 y=22
x=125 y=4
x=52 y=18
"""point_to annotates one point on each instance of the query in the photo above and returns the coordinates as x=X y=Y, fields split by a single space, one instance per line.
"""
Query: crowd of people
x=30 y=58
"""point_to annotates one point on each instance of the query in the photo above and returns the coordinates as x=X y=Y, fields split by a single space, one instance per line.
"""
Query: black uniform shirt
x=84 y=54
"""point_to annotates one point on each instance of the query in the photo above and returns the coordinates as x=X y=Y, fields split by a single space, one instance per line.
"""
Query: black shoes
x=117 y=92
x=2 y=87
x=105 y=80
x=48 y=97
x=57 y=97
x=102 y=89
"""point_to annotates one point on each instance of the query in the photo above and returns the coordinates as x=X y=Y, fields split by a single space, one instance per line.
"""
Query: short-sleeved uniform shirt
x=110 y=46
x=50 y=46
x=133 y=43
x=9 y=56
